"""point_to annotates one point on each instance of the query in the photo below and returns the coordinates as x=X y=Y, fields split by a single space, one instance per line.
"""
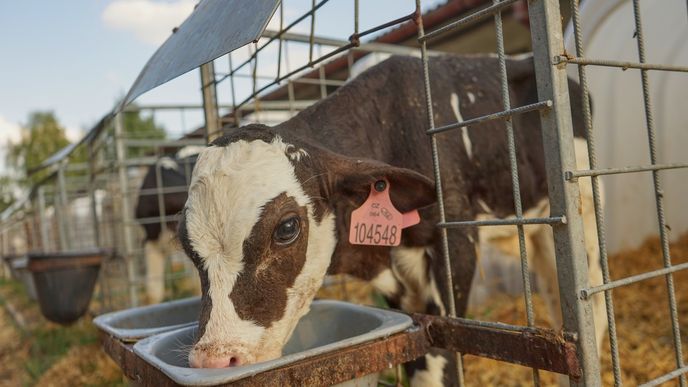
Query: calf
x=171 y=176
x=269 y=209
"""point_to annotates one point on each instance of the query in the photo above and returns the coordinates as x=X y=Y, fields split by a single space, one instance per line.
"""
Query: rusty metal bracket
x=532 y=347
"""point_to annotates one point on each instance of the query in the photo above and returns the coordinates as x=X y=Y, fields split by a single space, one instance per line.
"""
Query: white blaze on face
x=229 y=188
x=454 y=102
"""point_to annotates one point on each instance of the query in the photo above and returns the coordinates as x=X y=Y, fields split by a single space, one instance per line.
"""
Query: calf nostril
x=234 y=361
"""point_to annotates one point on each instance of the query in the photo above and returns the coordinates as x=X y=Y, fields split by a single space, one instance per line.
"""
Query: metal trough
x=65 y=282
x=329 y=326
x=131 y=325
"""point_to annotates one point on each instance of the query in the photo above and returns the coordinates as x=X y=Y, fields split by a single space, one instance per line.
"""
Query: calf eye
x=287 y=231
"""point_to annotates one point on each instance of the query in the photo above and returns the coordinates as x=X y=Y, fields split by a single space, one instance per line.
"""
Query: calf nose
x=203 y=361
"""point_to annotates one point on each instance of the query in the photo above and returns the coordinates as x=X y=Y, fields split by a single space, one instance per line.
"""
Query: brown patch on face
x=270 y=269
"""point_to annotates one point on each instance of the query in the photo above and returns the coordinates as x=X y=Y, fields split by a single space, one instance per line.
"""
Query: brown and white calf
x=268 y=211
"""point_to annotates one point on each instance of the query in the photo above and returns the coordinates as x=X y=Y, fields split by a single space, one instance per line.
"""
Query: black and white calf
x=170 y=176
x=269 y=209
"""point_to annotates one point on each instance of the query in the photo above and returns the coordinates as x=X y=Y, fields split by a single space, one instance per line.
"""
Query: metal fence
x=287 y=88
x=575 y=291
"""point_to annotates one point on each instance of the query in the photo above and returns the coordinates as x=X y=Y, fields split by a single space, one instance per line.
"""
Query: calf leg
x=413 y=285
x=155 y=270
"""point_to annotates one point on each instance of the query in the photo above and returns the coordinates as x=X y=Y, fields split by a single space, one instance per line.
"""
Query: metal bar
x=310 y=44
x=557 y=136
x=503 y=222
x=620 y=64
x=151 y=220
x=126 y=232
x=572 y=175
x=355 y=38
x=446 y=260
x=356 y=8
x=281 y=39
x=485 y=12
x=209 y=93
x=92 y=195
x=506 y=114
x=304 y=38
x=166 y=190
x=235 y=113
x=532 y=347
x=516 y=187
x=659 y=196
x=597 y=199
x=287 y=28
x=42 y=216
x=681 y=372
x=161 y=143
x=322 y=81
x=63 y=213
x=586 y=293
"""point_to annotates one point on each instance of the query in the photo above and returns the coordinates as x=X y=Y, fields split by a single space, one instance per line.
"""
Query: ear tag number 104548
x=377 y=222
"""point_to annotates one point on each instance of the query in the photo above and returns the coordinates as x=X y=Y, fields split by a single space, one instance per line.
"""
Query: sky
x=77 y=57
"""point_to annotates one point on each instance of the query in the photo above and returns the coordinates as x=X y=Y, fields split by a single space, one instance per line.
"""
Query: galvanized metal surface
x=446 y=259
x=597 y=199
x=126 y=208
x=215 y=28
x=324 y=370
x=131 y=325
x=659 y=195
x=532 y=347
x=557 y=133
x=210 y=107
x=329 y=326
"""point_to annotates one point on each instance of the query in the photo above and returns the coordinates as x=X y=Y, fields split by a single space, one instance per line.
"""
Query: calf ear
x=350 y=179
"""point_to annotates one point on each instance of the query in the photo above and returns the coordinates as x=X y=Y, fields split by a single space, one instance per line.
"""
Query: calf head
x=261 y=225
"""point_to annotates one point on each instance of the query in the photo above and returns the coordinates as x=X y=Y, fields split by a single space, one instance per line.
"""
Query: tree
x=6 y=194
x=41 y=137
x=137 y=127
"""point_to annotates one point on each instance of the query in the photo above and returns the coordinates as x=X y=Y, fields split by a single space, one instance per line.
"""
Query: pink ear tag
x=377 y=222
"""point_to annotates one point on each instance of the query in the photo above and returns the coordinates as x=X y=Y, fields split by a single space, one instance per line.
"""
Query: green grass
x=49 y=344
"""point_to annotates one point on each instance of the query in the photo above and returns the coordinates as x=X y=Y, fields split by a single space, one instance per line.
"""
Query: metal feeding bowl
x=65 y=282
x=133 y=324
x=329 y=326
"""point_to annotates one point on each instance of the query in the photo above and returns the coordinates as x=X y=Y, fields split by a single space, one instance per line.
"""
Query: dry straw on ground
x=642 y=318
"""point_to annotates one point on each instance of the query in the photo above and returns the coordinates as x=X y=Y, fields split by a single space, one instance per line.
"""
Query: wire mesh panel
x=575 y=291
x=581 y=62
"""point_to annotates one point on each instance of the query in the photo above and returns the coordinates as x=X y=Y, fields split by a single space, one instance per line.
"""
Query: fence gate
x=551 y=61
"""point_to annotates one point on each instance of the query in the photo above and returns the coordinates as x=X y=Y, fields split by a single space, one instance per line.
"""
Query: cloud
x=73 y=134
x=9 y=131
x=151 y=21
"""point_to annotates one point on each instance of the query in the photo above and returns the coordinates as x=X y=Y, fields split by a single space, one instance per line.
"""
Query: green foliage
x=6 y=195
x=138 y=127
x=41 y=137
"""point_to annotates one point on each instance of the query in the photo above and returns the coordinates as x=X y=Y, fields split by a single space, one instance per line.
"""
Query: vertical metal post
x=61 y=210
x=438 y=185
x=557 y=134
x=92 y=193
x=210 y=111
x=659 y=193
x=597 y=197
x=42 y=219
x=125 y=207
